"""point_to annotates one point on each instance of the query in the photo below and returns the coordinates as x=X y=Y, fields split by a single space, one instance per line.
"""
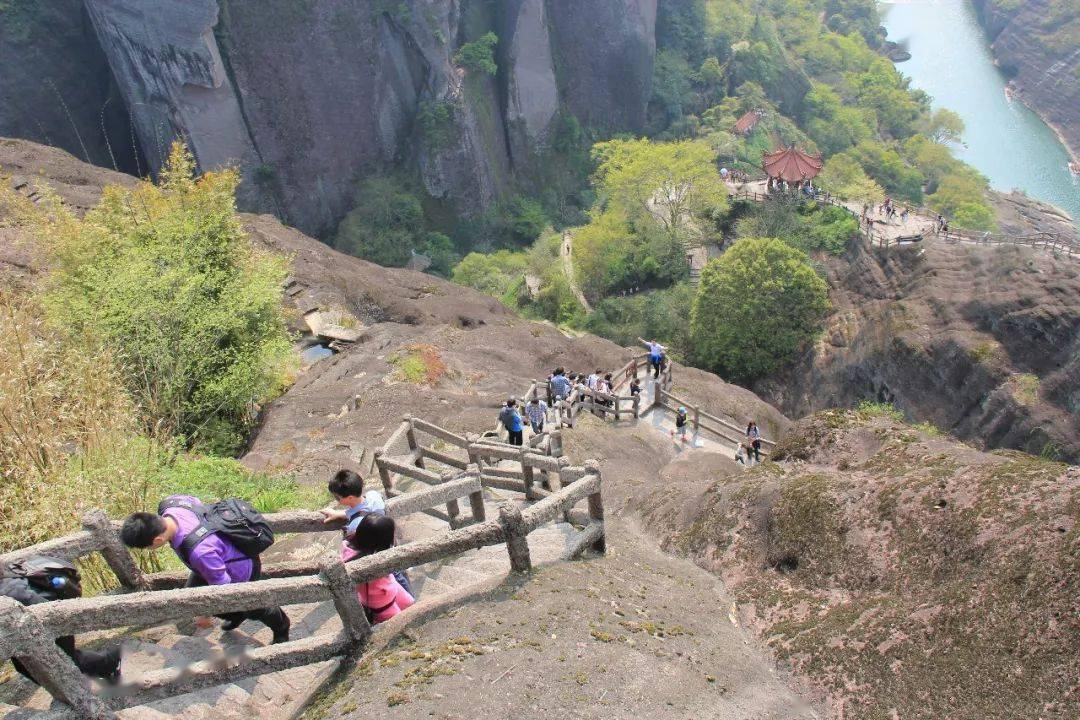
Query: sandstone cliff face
x=306 y=97
x=1037 y=42
x=604 y=52
x=982 y=342
x=168 y=67
x=56 y=87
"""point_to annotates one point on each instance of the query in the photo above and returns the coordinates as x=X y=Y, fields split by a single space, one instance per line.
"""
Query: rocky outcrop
x=307 y=97
x=56 y=87
x=604 y=53
x=888 y=567
x=1035 y=43
x=168 y=67
x=532 y=89
x=982 y=342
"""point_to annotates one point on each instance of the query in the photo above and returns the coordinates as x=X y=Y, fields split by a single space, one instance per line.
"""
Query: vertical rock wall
x=56 y=87
x=166 y=61
x=604 y=51
x=309 y=96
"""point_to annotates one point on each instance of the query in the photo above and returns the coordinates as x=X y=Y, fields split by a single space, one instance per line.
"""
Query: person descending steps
x=220 y=544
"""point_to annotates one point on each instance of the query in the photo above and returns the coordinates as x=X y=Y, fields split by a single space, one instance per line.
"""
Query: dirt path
x=566 y=253
x=642 y=635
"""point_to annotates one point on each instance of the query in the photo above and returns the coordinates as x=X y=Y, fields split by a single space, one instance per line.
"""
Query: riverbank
x=1008 y=139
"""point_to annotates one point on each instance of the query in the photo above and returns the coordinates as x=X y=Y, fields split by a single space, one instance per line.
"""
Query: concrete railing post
x=596 y=505
x=697 y=419
x=452 y=507
x=384 y=474
x=476 y=499
x=49 y=665
x=517 y=540
x=112 y=549
x=528 y=475
x=346 y=602
x=410 y=438
x=555 y=448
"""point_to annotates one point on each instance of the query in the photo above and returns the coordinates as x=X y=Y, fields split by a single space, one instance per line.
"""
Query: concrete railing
x=700 y=420
x=29 y=633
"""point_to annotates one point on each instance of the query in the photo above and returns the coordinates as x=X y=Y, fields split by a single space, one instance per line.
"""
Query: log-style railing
x=700 y=420
x=29 y=633
x=1061 y=244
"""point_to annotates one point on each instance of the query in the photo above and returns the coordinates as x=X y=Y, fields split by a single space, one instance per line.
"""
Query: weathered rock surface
x=307 y=97
x=903 y=574
x=604 y=50
x=1036 y=43
x=983 y=342
x=56 y=87
x=168 y=66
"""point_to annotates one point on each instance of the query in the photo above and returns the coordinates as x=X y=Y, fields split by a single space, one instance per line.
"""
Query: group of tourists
x=889 y=210
x=221 y=544
x=749 y=449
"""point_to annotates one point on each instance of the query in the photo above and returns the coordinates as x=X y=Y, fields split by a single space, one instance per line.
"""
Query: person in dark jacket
x=41 y=579
x=214 y=561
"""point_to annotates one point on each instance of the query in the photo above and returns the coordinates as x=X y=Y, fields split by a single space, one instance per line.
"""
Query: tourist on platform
x=753 y=437
x=741 y=455
x=680 y=424
x=347 y=487
x=537 y=409
x=656 y=355
x=41 y=578
x=384 y=597
x=635 y=387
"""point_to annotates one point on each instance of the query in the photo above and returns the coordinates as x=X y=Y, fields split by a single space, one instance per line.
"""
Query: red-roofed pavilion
x=791 y=165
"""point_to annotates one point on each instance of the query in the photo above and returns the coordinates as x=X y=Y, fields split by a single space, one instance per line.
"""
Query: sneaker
x=112 y=677
x=282 y=634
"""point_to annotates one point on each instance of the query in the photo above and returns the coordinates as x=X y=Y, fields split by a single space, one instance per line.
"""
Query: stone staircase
x=280 y=695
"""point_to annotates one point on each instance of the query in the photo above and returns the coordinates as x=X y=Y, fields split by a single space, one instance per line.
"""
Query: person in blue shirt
x=656 y=355
x=511 y=420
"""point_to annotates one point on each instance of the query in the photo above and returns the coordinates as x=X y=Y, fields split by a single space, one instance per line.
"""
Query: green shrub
x=756 y=305
x=479 y=55
x=165 y=277
x=214 y=478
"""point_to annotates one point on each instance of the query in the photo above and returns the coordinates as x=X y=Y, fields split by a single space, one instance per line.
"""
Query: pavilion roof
x=747 y=122
x=791 y=164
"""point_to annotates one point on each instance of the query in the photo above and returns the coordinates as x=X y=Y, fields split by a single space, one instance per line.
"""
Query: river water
x=1007 y=142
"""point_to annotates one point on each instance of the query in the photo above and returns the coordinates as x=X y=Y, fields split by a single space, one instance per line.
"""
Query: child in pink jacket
x=382 y=598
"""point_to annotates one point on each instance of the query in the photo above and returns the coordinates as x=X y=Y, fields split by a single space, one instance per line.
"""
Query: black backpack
x=47 y=577
x=232 y=518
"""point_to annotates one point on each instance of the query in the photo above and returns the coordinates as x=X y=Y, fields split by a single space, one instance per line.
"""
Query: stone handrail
x=1057 y=243
x=28 y=633
x=711 y=423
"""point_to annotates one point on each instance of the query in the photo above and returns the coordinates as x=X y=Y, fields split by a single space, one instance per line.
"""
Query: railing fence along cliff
x=1056 y=243
x=29 y=633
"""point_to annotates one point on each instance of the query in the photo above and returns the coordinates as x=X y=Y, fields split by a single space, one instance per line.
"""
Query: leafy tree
x=844 y=177
x=479 y=55
x=662 y=314
x=665 y=184
x=756 y=305
x=386 y=226
x=961 y=197
x=166 y=278
x=886 y=166
x=944 y=126
x=492 y=273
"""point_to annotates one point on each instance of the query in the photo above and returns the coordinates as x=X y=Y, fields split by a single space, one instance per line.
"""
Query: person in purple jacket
x=214 y=561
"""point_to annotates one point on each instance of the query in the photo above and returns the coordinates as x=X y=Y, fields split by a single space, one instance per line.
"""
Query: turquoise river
x=1006 y=141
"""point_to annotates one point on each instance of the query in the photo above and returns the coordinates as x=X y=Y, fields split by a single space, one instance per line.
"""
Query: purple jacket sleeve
x=207 y=561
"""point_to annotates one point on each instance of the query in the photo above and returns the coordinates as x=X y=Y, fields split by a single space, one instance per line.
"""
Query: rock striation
x=306 y=97
x=1037 y=43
